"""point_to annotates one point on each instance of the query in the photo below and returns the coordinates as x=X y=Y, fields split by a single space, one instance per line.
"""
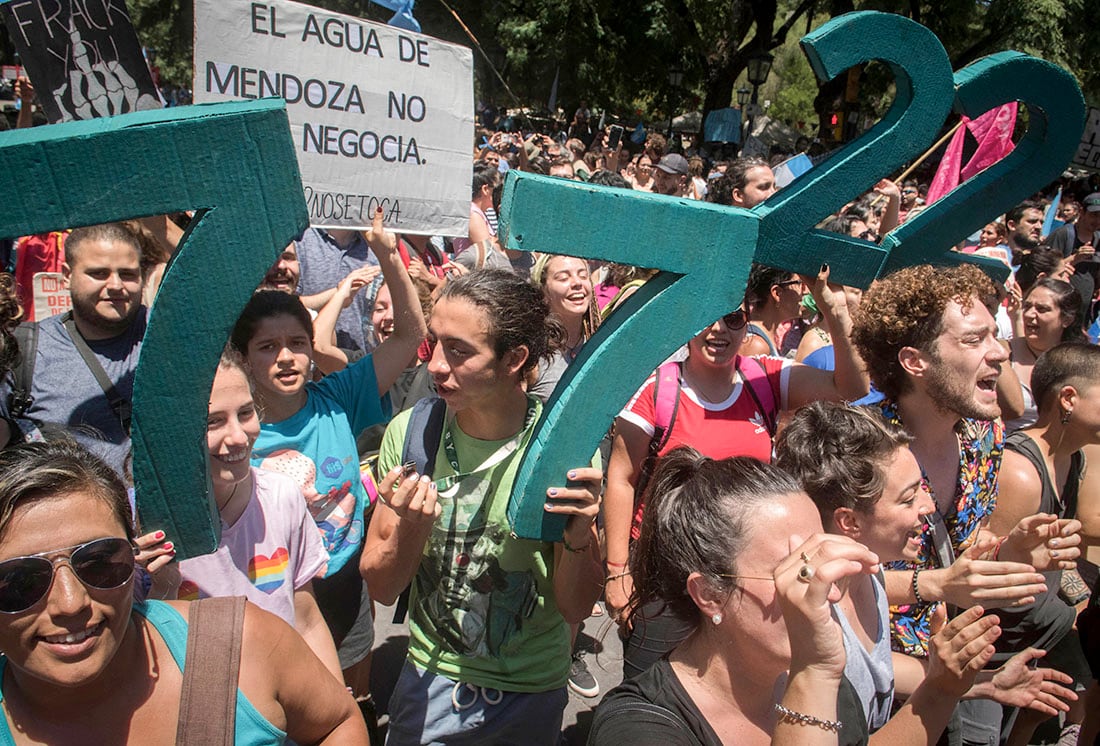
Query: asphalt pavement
x=604 y=658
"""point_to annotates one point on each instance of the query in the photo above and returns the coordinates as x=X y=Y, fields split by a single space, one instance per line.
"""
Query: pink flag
x=947 y=175
x=993 y=131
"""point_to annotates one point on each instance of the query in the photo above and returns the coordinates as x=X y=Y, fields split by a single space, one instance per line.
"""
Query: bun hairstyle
x=698 y=518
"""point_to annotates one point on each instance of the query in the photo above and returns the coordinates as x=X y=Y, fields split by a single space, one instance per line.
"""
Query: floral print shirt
x=981 y=448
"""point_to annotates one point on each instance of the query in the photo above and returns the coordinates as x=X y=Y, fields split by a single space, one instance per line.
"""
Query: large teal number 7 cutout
x=235 y=164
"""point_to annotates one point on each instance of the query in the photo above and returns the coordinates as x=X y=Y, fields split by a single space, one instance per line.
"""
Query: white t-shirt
x=272 y=550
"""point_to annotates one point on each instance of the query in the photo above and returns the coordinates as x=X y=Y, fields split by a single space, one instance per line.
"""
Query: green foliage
x=618 y=55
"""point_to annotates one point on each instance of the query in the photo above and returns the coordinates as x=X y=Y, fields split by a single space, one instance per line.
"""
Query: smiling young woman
x=85 y=663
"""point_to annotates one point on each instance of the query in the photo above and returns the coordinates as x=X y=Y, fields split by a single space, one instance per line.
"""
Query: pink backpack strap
x=760 y=389
x=666 y=400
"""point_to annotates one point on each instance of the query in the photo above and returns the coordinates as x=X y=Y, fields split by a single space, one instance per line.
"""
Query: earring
x=1066 y=415
x=717 y=619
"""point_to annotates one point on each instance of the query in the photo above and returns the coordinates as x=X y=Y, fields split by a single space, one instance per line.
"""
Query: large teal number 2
x=922 y=77
x=235 y=164
x=1056 y=116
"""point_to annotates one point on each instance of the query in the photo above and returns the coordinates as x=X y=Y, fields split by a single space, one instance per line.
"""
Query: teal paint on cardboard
x=234 y=163
x=704 y=251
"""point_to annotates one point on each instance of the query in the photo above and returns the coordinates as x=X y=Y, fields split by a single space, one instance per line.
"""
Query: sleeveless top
x=871 y=672
x=1047 y=620
x=755 y=330
x=252 y=729
x=1030 y=413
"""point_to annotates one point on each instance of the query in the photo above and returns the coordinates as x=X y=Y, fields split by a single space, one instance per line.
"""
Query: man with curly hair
x=930 y=345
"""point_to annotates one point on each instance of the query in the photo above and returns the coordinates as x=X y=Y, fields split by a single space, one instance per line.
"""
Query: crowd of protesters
x=836 y=515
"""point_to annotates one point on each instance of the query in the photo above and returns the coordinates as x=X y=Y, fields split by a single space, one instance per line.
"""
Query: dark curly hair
x=839 y=454
x=720 y=191
x=905 y=309
x=11 y=313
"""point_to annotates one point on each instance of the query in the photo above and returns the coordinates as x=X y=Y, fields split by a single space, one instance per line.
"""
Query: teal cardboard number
x=235 y=164
x=1055 y=107
x=922 y=74
x=704 y=251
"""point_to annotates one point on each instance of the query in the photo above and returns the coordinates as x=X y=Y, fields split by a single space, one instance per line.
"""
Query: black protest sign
x=82 y=55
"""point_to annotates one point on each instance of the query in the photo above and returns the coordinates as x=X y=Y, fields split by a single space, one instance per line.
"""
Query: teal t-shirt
x=316 y=448
x=482 y=608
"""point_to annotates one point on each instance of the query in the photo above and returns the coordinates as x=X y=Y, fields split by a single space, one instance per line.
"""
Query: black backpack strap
x=20 y=400
x=422 y=440
x=120 y=405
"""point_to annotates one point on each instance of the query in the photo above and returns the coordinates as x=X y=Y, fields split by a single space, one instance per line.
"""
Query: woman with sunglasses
x=83 y=662
x=726 y=405
x=773 y=298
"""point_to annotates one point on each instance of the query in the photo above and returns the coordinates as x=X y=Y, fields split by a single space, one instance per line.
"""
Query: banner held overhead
x=380 y=116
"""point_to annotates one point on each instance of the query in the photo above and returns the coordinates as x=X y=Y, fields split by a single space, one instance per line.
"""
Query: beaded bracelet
x=916 y=593
x=802 y=719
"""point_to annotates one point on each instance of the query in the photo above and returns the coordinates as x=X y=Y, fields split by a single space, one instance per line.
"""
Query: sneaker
x=581 y=679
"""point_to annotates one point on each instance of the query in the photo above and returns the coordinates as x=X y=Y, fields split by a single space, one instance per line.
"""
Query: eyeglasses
x=908 y=191
x=868 y=235
x=102 y=564
x=735 y=320
x=788 y=283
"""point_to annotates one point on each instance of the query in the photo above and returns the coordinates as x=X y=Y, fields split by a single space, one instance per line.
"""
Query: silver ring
x=805 y=573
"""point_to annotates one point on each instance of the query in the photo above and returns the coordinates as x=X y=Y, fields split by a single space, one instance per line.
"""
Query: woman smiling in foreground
x=84 y=663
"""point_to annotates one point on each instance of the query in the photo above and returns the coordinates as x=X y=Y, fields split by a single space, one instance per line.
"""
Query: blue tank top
x=252 y=729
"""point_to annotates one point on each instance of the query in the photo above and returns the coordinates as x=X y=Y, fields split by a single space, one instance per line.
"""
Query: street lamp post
x=743 y=95
x=758 y=68
x=675 y=78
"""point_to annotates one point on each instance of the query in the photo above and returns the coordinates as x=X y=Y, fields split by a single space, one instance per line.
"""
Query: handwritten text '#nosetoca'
x=341 y=33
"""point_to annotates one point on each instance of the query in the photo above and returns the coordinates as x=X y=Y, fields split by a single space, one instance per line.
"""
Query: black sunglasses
x=103 y=564
x=735 y=320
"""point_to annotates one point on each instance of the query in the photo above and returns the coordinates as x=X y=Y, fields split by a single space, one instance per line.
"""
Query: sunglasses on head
x=102 y=564
x=735 y=320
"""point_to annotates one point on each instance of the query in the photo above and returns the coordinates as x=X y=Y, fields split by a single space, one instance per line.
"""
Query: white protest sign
x=51 y=296
x=1088 y=152
x=380 y=116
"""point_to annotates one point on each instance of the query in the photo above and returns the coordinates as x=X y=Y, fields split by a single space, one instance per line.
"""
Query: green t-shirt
x=482 y=608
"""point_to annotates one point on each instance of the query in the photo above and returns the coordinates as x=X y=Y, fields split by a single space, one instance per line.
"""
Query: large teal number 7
x=235 y=164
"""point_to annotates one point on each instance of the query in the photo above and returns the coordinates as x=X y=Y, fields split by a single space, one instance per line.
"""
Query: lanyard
x=499 y=455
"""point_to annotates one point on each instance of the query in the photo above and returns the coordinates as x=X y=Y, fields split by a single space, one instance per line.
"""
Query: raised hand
x=1045 y=541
